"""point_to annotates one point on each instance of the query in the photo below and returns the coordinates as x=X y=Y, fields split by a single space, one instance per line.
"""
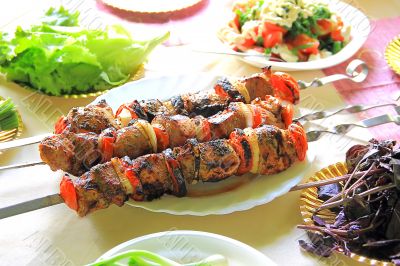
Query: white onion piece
x=149 y=131
x=124 y=117
x=255 y=149
x=248 y=114
x=124 y=180
x=242 y=90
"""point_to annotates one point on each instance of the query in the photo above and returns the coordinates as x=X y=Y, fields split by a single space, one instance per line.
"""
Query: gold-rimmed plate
x=392 y=54
x=7 y=135
x=309 y=202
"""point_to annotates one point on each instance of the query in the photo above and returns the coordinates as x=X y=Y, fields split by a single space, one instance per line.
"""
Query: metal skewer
x=342 y=129
x=30 y=205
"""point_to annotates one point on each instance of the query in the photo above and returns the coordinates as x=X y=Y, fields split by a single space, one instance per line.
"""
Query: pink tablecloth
x=382 y=84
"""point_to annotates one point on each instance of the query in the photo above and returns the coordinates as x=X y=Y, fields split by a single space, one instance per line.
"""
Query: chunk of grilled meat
x=150 y=176
x=92 y=118
x=73 y=153
x=95 y=118
x=59 y=151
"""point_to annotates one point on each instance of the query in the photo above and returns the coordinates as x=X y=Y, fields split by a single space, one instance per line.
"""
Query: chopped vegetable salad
x=289 y=30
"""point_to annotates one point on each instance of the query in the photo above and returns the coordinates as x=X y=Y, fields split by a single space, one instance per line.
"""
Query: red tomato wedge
x=162 y=138
x=68 y=193
x=305 y=44
x=60 y=125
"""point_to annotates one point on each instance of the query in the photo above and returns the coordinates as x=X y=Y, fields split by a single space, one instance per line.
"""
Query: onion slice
x=241 y=87
x=255 y=150
x=124 y=117
x=149 y=132
x=126 y=184
x=247 y=112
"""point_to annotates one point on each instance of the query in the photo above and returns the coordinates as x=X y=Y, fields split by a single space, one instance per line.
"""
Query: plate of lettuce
x=58 y=57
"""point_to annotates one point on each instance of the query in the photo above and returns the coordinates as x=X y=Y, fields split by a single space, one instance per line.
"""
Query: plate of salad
x=295 y=34
x=183 y=248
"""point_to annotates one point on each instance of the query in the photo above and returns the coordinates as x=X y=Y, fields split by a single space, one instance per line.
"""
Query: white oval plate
x=192 y=246
x=360 y=29
x=246 y=195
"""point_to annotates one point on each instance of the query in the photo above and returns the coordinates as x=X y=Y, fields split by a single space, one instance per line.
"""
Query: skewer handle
x=30 y=205
x=351 y=74
x=22 y=142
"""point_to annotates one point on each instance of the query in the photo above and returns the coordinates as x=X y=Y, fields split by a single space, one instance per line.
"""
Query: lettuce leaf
x=56 y=58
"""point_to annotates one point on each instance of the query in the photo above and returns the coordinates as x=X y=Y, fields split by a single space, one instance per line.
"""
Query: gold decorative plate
x=7 y=135
x=392 y=54
x=309 y=202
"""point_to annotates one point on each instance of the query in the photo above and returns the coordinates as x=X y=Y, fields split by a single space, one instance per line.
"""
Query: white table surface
x=57 y=236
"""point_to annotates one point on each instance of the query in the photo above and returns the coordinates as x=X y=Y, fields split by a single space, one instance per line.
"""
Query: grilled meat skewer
x=264 y=150
x=96 y=118
x=76 y=153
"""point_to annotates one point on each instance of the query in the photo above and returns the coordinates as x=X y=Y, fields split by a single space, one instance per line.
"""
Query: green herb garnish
x=8 y=115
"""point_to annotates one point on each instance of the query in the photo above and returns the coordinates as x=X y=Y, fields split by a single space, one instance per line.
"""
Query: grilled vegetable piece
x=139 y=137
x=170 y=172
x=205 y=103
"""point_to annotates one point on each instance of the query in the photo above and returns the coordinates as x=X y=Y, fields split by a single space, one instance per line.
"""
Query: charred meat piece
x=205 y=103
x=98 y=188
x=218 y=160
x=132 y=142
x=57 y=152
x=258 y=85
x=178 y=127
x=188 y=157
x=177 y=179
x=277 y=151
x=92 y=118
x=227 y=86
x=152 y=108
x=224 y=123
x=153 y=174
x=74 y=153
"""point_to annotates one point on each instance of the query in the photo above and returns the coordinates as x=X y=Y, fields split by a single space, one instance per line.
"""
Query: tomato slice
x=268 y=27
x=305 y=44
x=272 y=38
x=324 y=27
x=162 y=137
x=68 y=192
x=206 y=129
x=299 y=139
x=337 y=36
x=134 y=180
x=285 y=87
x=60 y=125
x=239 y=142
x=107 y=147
x=257 y=119
x=287 y=115
x=248 y=42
